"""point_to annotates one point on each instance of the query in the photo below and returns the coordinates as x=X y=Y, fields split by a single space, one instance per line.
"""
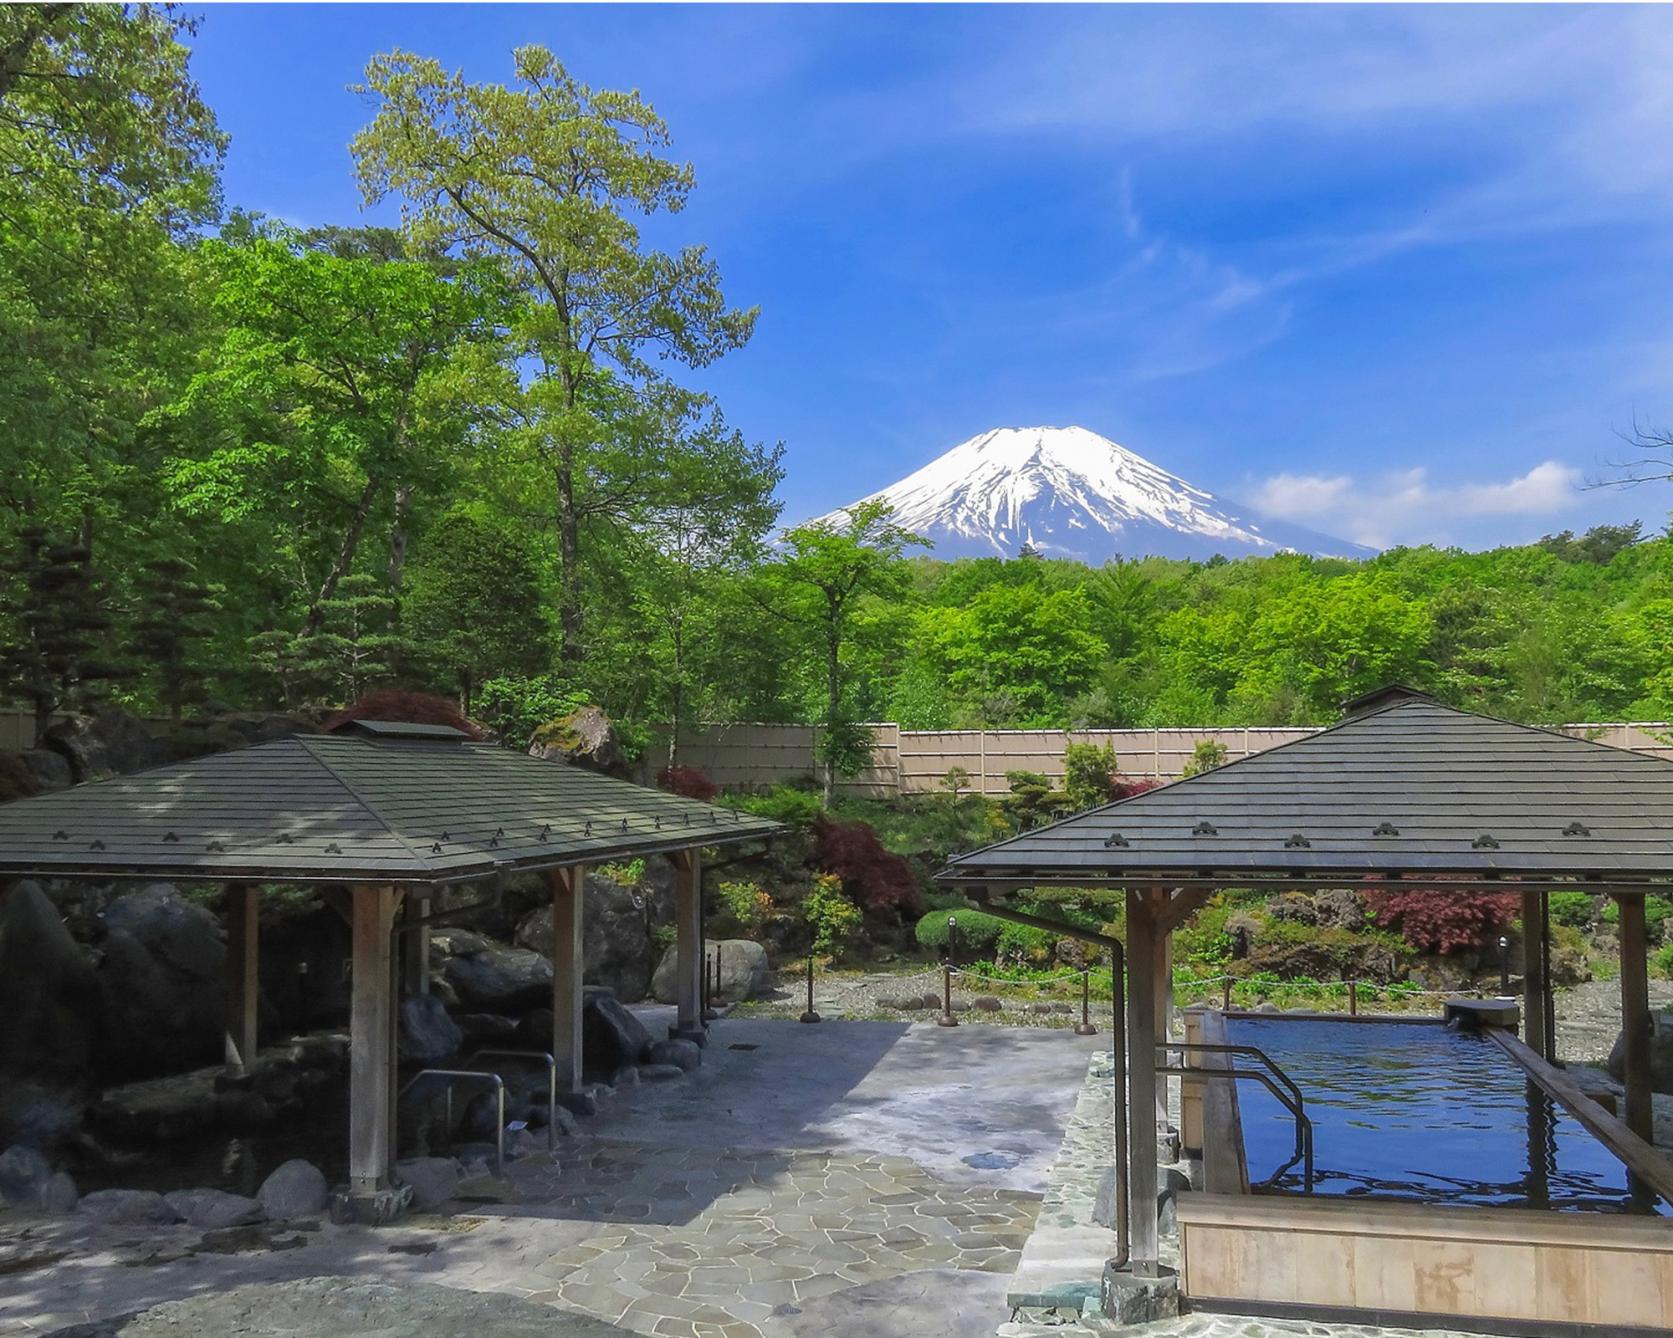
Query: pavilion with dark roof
x=389 y=813
x=1404 y=791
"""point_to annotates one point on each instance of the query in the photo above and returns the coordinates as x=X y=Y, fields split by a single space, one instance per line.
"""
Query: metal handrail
x=456 y=1076
x=1288 y=1095
x=1254 y=1052
x=551 y=1084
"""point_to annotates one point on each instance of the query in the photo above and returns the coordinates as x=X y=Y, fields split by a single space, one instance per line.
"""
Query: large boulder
x=213 y=1209
x=428 y=1035
x=744 y=972
x=24 y=1174
x=612 y=1036
x=112 y=743
x=295 y=1189
x=586 y=738
x=163 y=981
x=127 y=1207
x=616 y=945
x=1661 y=1054
x=490 y=978
x=46 y=985
x=47 y=770
x=434 y=1180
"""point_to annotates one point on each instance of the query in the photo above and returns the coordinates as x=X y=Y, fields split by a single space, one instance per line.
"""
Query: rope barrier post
x=952 y=942
x=1086 y=1028
x=810 y=1015
x=1226 y=995
x=711 y=989
x=1353 y=998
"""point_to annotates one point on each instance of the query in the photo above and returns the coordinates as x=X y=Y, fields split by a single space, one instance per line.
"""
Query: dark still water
x=1417 y=1112
x=317 y=1132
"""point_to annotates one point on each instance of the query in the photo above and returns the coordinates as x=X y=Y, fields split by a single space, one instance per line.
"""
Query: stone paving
x=793 y=1230
x=771 y=1193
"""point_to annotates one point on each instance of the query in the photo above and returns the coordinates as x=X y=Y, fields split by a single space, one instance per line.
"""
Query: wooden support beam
x=371 y=1038
x=415 y=948
x=568 y=886
x=1141 y=1082
x=1635 y=1016
x=1185 y=903
x=1162 y=993
x=1533 y=973
x=688 y=940
x=243 y=930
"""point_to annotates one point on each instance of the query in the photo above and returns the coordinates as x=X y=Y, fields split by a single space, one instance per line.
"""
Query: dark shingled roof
x=371 y=806
x=1406 y=787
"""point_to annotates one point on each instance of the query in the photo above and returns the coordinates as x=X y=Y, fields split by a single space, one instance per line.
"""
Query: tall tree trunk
x=345 y=555
x=398 y=536
x=569 y=575
x=833 y=701
x=676 y=694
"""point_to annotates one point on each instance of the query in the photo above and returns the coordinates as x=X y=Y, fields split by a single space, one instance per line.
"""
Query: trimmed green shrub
x=1024 y=943
x=1662 y=962
x=1572 y=908
x=832 y=917
x=783 y=803
x=976 y=932
x=1088 y=772
x=1656 y=909
x=747 y=904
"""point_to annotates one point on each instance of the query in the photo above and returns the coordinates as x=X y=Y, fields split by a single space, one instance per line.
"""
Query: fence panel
x=916 y=761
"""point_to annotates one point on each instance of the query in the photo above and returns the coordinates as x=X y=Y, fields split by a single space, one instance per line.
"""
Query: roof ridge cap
x=366 y=804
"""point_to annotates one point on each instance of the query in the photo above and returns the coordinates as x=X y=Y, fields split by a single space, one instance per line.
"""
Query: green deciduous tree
x=548 y=175
x=824 y=575
x=473 y=604
x=328 y=400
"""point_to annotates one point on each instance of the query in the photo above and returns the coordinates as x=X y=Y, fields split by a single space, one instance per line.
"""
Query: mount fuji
x=1068 y=492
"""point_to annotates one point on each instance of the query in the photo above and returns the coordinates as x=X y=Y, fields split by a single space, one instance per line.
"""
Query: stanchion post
x=1226 y=995
x=1353 y=998
x=810 y=1015
x=1086 y=1028
x=947 y=1019
x=711 y=986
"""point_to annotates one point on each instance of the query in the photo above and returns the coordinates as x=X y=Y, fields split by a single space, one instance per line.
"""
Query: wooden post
x=371 y=1032
x=568 y=886
x=243 y=930
x=1162 y=986
x=415 y=948
x=1141 y=1082
x=1533 y=974
x=1635 y=1015
x=688 y=926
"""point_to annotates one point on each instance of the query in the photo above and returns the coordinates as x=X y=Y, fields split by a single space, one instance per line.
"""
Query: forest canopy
x=244 y=465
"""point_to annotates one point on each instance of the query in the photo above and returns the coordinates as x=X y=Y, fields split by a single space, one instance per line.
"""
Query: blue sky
x=1399 y=274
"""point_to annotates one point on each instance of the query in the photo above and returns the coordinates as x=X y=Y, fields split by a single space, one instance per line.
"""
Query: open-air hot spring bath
x=1419 y=1112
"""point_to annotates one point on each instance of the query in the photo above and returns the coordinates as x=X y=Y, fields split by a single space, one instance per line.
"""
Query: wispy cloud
x=1405 y=507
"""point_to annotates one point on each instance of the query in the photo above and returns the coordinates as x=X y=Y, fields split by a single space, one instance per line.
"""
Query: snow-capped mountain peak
x=1068 y=492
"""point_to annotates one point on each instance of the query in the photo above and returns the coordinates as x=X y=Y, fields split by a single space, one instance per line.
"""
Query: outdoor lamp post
x=1504 y=966
x=947 y=1019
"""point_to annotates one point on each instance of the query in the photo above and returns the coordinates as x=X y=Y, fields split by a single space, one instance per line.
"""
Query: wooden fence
x=753 y=756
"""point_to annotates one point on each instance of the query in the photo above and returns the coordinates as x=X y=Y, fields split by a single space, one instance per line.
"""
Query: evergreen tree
x=473 y=603
x=177 y=613
x=358 y=643
x=58 y=621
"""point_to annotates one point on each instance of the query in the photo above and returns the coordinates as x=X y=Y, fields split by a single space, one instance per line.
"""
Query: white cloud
x=1405 y=507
